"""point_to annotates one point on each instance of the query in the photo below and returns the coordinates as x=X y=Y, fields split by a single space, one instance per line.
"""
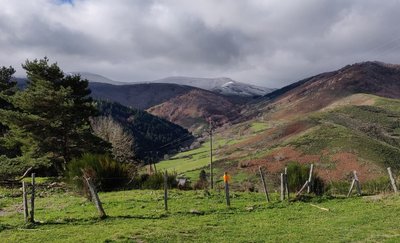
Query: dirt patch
x=330 y=167
x=345 y=163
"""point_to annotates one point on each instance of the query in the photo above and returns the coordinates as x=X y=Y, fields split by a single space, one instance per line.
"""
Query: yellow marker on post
x=227 y=178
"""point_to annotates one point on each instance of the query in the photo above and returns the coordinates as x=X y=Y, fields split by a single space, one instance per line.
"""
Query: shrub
x=376 y=186
x=202 y=183
x=298 y=174
x=106 y=173
x=154 y=181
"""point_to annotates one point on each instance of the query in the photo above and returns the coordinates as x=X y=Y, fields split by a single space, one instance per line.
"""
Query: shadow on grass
x=91 y=220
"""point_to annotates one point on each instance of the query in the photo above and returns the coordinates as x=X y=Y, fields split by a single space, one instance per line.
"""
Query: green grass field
x=191 y=162
x=138 y=216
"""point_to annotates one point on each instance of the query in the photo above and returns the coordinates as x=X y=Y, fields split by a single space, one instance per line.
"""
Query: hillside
x=153 y=136
x=319 y=91
x=194 y=109
x=340 y=121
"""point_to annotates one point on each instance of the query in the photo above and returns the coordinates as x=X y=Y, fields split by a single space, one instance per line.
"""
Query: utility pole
x=211 y=158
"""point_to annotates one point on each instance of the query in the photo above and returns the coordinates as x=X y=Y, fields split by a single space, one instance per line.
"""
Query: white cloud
x=270 y=43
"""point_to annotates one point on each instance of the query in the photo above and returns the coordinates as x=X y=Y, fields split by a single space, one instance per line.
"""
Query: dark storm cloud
x=270 y=43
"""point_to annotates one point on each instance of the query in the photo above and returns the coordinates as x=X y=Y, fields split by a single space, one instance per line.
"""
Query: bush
x=376 y=186
x=106 y=173
x=202 y=183
x=154 y=181
x=298 y=174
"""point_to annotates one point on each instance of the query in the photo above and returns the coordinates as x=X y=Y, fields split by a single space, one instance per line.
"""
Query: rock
x=197 y=212
x=251 y=208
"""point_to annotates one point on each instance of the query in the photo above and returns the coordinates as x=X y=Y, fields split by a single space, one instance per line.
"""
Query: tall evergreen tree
x=7 y=88
x=54 y=111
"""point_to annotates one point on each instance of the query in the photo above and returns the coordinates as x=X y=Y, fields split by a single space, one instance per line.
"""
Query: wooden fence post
x=32 y=219
x=264 y=184
x=286 y=183
x=282 y=187
x=351 y=187
x=95 y=197
x=357 y=183
x=392 y=180
x=226 y=181
x=166 y=191
x=25 y=202
x=310 y=178
x=307 y=183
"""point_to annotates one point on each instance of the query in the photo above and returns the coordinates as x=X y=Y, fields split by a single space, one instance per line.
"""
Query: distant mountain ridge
x=92 y=77
x=225 y=86
x=139 y=96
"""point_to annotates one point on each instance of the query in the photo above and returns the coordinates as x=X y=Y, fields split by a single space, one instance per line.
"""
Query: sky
x=262 y=42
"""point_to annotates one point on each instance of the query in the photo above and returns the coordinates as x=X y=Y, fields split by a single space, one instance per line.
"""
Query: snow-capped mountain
x=225 y=86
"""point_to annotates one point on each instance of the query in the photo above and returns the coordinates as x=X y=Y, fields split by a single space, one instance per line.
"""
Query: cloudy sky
x=269 y=43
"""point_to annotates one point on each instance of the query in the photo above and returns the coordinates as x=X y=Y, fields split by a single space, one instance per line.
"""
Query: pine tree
x=53 y=111
x=7 y=88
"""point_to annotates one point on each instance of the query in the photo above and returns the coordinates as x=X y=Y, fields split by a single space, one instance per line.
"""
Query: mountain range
x=189 y=102
x=343 y=120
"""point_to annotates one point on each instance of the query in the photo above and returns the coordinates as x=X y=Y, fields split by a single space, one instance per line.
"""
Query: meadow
x=195 y=216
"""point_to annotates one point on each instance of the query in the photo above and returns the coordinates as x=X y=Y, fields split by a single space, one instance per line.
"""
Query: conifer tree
x=53 y=111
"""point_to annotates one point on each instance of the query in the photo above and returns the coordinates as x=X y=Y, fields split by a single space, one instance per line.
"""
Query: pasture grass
x=138 y=216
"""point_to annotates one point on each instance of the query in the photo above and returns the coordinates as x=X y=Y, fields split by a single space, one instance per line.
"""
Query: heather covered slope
x=194 y=109
x=317 y=92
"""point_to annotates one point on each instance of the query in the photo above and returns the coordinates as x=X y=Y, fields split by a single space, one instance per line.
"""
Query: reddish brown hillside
x=193 y=109
x=320 y=91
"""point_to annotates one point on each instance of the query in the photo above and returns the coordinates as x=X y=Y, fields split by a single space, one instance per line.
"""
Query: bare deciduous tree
x=111 y=131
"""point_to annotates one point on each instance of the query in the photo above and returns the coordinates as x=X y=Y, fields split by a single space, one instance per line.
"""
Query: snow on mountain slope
x=225 y=86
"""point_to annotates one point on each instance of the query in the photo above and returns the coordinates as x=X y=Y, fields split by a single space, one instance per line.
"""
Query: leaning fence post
x=32 y=219
x=95 y=197
x=166 y=191
x=351 y=187
x=392 y=180
x=25 y=201
x=310 y=178
x=355 y=182
x=307 y=183
x=264 y=184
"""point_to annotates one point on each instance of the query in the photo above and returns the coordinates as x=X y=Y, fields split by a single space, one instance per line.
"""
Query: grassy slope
x=191 y=162
x=365 y=125
x=139 y=216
